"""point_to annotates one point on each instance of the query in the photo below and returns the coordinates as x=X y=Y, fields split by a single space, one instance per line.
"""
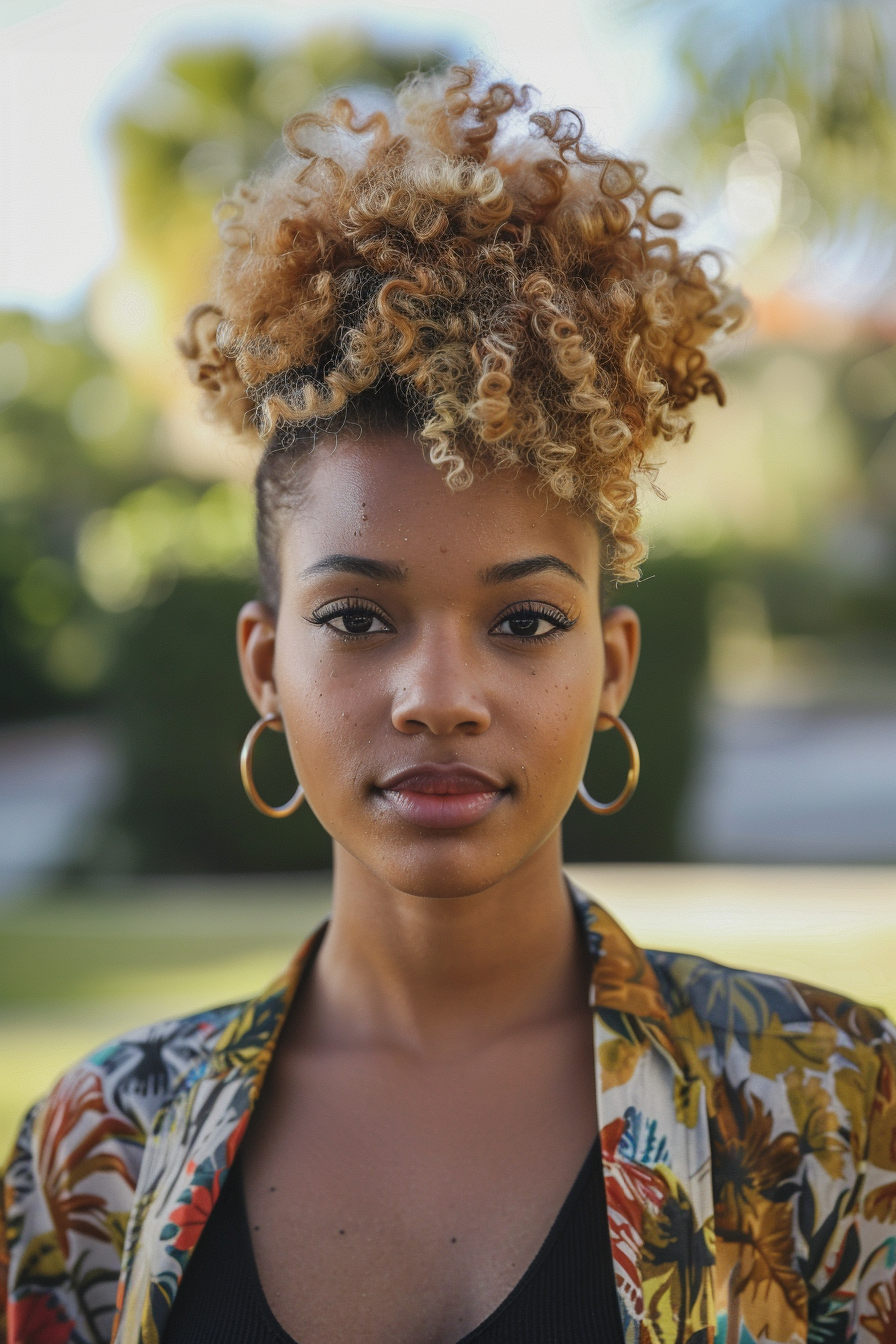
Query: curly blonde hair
x=489 y=277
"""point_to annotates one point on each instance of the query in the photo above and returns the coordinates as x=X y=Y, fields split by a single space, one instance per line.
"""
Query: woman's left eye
x=531 y=624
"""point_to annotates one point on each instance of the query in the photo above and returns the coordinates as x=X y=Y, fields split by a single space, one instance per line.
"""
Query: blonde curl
x=520 y=286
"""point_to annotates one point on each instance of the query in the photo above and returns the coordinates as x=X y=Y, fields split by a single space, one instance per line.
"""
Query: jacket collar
x=656 y=1146
x=622 y=978
x=190 y=1152
x=652 y=1117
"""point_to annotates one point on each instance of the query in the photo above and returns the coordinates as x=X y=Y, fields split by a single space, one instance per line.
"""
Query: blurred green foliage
x=836 y=580
x=88 y=527
x=829 y=63
x=72 y=437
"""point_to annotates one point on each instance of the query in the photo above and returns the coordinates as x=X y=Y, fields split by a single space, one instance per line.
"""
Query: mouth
x=441 y=797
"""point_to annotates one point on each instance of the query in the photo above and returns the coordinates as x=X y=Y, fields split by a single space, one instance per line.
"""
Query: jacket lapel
x=656 y=1149
x=189 y=1154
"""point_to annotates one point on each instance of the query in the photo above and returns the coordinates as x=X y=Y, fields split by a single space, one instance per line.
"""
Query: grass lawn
x=77 y=968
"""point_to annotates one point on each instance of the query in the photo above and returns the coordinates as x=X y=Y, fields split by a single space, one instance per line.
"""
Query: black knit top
x=566 y=1296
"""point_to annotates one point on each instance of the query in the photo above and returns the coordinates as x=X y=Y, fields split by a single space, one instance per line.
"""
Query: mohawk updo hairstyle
x=468 y=272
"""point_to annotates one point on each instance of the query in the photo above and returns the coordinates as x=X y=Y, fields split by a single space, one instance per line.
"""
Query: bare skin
x=432 y=1096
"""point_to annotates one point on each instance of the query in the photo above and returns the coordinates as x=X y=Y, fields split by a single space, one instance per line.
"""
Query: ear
x=256 y=633
x=622 y=645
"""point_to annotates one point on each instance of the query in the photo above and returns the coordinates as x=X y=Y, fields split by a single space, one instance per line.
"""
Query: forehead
x=382 y=498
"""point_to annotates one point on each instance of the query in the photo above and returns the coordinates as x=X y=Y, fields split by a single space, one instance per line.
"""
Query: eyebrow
x=523 y=569
x=380 y=570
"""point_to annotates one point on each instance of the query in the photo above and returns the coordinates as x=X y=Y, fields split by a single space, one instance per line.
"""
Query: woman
x=471 y=1109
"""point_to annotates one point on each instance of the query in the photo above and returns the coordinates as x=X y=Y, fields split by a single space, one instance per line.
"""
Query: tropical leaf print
x=731 y=1002
x=632 y=1191
x=677 y=1263
x=750 y=1166
x=880 y=1204
x=882 y=1137
x=776 y=1052
x=65 y=1164
x=858 y=1021
x=881 y=1322
x=817 y=1124
x=763 y=1277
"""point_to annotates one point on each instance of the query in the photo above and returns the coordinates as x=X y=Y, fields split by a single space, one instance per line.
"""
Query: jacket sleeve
x=68 y=1188
x=30 y=1257
x=875 y=1302
x=4 y=1262
x=67 y=1193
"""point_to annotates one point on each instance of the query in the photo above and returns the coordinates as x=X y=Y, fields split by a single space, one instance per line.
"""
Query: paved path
x=795 y=785
x=55 y=777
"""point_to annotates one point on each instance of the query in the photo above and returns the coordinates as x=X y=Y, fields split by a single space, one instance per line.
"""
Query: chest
x=394 y=1199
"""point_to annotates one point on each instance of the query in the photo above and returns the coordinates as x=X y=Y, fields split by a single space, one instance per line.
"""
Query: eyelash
x=333 y=610
x=560 y=621
x=557 y=618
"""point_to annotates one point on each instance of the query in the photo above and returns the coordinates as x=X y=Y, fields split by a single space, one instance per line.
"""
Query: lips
x=441 y=797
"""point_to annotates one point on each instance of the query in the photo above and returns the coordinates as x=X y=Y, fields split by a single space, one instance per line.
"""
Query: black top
x=566 y=1296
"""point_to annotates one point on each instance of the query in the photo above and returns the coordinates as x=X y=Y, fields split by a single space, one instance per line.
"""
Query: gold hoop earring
x=267 y=721
x=631 y=782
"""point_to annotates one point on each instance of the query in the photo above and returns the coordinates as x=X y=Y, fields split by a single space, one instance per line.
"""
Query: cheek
x=557 y=712
x=330 y=709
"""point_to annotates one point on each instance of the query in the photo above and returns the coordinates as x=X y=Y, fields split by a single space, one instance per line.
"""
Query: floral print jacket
x=749 y=1145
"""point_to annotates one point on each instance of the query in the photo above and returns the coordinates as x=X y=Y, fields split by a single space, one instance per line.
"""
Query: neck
x=447 y=973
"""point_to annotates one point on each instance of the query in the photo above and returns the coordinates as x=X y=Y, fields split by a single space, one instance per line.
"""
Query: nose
x=440 y=693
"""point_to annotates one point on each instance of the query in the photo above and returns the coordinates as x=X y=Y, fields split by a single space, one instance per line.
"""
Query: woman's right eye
x=352 y=621
x=357 y=623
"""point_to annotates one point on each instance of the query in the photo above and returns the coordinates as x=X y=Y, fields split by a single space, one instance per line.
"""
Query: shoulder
x=801 y=1100
x=141 y=1070
x=116 y=1092
x=69 y=1183
x=747 y=1004
x=788 y=1063
x=133 y=1076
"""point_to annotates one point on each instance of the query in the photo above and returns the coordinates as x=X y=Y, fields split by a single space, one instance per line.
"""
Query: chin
x=443 y=864
x=442 y=886
x=447 y=869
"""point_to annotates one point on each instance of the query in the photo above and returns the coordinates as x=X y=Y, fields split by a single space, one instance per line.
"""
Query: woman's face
x=439 y=661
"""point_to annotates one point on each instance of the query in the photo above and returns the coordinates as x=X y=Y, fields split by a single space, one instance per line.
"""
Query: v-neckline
x=282 y=1336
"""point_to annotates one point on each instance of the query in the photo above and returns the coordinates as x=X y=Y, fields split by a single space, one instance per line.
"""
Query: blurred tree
x=828 y=61
x=72 y=437
x=789 y=111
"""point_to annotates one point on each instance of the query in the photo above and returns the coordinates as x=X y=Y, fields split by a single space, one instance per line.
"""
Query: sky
x=67 y=65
